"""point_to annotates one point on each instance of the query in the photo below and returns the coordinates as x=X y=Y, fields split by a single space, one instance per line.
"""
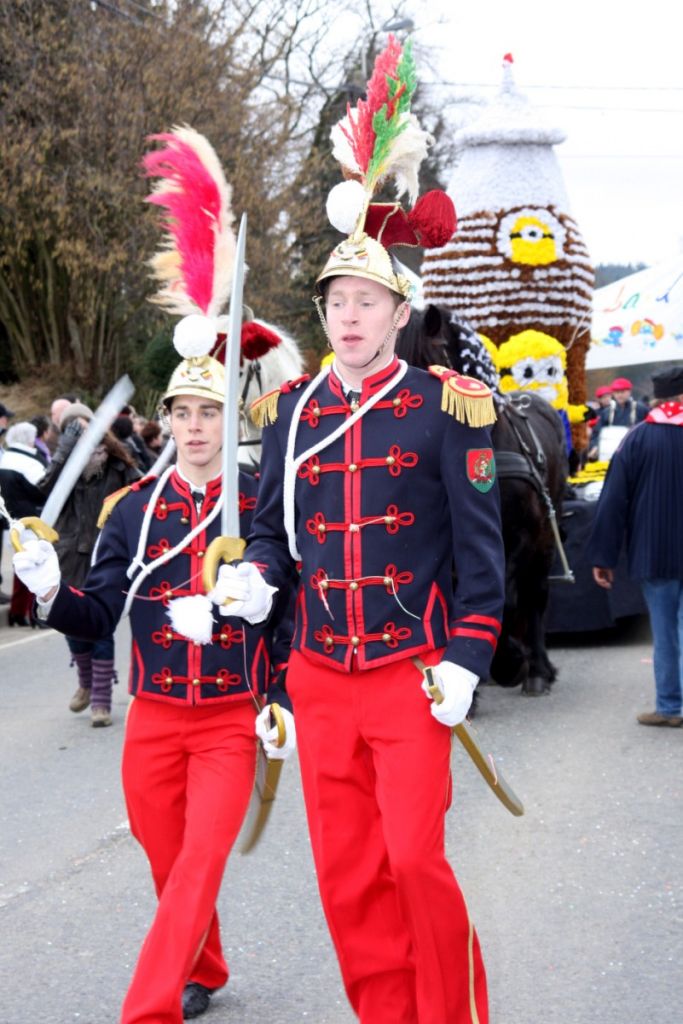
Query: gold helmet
x=199 y=373
x=377 y=140
x=365 y=257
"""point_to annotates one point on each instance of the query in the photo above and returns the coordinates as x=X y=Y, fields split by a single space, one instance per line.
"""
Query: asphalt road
x=578 y=904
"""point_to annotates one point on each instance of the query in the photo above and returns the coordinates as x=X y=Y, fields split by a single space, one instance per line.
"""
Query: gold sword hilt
x=435 y=691
x=279 y=718
x=37 y=526
x=220 y=550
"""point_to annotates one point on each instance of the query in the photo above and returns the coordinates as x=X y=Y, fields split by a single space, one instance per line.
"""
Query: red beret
x=604 y=390
x=621 y=384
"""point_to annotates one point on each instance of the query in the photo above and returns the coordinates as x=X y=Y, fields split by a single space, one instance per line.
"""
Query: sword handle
x=435 y=691
x=277 y=715
x=221 y=549
x=41 y=530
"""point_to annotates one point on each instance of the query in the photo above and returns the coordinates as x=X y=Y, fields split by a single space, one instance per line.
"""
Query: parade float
x=517 y=264
x=518 y=271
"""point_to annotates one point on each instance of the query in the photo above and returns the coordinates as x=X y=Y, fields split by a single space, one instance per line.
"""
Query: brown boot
x=654 y=718
x=100 y=717
x=81 y=698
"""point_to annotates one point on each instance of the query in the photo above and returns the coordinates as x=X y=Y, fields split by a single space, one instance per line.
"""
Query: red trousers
x=188 y=774
x=375 y=767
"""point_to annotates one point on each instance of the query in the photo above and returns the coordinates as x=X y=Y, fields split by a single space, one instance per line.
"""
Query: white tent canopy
x=639 y=319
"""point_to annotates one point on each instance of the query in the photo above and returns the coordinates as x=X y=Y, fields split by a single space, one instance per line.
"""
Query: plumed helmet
x=199 y=373
x=365 y=258
x=378 y=140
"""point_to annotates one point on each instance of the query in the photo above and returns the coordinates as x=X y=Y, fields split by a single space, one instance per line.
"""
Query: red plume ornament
x=433 y=219
x=257 y=339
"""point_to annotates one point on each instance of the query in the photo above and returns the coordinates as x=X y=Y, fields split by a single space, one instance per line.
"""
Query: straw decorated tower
x=517 y=261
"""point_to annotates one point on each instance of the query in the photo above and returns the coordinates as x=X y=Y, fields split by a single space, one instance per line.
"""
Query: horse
x=259 y=374
x=531 y=465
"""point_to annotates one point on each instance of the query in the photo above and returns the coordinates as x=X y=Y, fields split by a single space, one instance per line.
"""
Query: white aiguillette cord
x=147 y=569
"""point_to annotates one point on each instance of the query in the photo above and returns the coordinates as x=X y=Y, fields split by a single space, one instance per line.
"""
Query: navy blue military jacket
x=642 y=502
x=164 y=664
x=382 y=514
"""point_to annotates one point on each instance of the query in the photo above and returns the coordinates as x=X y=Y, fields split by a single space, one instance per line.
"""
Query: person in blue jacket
x=642 y=504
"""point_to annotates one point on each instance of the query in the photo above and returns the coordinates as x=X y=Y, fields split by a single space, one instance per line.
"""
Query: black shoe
x=17 y=620
x=196 y=999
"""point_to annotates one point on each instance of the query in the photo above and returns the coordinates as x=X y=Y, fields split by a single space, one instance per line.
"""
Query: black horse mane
x=437 y=336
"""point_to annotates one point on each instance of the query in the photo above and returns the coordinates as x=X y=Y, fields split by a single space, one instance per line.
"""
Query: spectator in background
x=622 y=411
x=5 y=415
x=603 y=395
x=20 y=453
x=42 y=425
x=57 y=408
x=642 y=501
x=122 y=428
x=153 y=440
x=20 y=471
x=110 y=468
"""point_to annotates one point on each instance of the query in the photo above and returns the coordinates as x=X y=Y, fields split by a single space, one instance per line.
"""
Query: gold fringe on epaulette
x=109 y=504
x=475 y=410
x=263 y=410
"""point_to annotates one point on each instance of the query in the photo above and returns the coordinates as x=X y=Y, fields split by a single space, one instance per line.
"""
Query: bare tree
x=82 y=85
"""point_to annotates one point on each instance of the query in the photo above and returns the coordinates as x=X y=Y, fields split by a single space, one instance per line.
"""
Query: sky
x=610 y=76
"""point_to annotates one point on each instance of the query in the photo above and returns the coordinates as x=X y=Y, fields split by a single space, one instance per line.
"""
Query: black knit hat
x=668 y=383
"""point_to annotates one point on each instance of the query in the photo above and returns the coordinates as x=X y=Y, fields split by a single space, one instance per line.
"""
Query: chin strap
x=318 y=302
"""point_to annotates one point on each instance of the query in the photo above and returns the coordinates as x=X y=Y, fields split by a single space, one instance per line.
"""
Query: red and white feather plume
x=378 y=140
x=195 y=264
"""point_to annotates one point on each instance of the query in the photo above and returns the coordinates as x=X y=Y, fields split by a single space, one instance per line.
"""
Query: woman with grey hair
x=20 y=454
x=20 y=471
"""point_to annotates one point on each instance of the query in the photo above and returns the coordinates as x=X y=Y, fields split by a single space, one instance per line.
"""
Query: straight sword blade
x=230 y=518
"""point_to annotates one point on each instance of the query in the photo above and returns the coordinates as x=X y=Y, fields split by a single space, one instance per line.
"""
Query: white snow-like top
x=506 y=158
x=508 y=120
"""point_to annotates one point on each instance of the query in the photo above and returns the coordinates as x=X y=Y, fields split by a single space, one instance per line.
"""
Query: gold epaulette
x=112 y=500
x=109 y=504
x=263 y=410
x=465 y=398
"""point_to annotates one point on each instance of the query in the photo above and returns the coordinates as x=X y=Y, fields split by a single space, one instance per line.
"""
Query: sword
x=107 y=412
x=265 y=786
x=229 y=547
x=486 y=765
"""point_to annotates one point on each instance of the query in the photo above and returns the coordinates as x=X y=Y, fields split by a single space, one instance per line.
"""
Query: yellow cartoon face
x=533 y=237
x=534 y=361
x=544 y=375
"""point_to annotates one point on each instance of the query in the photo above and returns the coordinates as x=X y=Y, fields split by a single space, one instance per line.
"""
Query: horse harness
x=253 y=373
x=530 y=465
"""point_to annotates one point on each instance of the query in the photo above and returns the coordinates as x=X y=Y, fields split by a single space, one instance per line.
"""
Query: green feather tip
x=407 y=75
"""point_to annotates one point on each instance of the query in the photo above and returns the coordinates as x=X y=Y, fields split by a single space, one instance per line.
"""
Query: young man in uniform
x=190 y=749
x=383 y=493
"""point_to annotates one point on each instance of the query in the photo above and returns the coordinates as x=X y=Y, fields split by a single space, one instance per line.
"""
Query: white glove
x=457 y=685
x=37 y=566
x=268 y=735
x=251 y=597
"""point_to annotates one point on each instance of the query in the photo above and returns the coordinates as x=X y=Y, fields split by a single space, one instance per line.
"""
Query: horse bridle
x=524 y=466
x=253 y=373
